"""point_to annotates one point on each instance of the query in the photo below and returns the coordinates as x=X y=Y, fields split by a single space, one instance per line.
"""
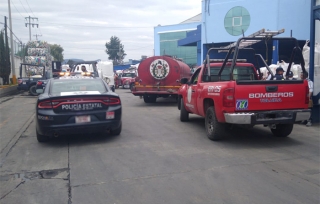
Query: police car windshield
x=75 y=87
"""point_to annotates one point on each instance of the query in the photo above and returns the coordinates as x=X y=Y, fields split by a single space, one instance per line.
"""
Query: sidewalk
x=8 y=90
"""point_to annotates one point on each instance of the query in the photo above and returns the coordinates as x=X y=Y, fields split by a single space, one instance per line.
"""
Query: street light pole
x=13 y=69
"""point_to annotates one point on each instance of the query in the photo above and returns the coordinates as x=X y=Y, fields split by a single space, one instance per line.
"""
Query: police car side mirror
x=184 y=80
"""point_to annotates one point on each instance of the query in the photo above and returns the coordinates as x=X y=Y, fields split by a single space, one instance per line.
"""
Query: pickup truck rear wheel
x=32 y=90
x=282 y=130
x=184 y=115
x=214 y=129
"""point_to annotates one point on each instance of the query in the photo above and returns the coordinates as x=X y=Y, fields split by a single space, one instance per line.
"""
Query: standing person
x=269 y=76
x=304 y=76
x=83 y=68
x=290 y=76
x=279 y=74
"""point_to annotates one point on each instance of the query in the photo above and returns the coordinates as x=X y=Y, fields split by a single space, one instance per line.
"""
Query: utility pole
x=13 y=68
x=33 y=24
x=37 y=36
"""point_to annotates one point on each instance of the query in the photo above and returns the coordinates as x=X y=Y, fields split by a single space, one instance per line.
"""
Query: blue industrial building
x=224 y=22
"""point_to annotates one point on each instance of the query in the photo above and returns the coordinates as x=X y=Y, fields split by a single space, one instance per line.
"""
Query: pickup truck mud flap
x=268 y=117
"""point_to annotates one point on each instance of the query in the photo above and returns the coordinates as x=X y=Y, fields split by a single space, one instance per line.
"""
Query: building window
x=237 y=20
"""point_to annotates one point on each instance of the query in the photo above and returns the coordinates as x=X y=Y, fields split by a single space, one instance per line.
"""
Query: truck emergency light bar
x=260 y=35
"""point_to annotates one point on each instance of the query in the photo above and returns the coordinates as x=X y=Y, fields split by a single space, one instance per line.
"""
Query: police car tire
x=214 y=129
x=41 y=138
x=282 y=130
x=32 y=90
x=118 y=130
x=184 y=115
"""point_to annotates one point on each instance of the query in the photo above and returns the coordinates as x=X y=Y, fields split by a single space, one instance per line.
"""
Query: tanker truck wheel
x=149 y=98
x=282 y=130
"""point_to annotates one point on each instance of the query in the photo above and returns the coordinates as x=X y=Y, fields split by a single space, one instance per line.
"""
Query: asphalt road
x=156 y=159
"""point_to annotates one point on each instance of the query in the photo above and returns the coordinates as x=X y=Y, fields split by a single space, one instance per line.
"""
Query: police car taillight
x=19 y=81
x=112 y=101
x=39 y=83
x=228 y=97
x=44 y=105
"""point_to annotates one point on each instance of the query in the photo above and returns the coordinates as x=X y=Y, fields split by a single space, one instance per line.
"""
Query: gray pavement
x=158 y=159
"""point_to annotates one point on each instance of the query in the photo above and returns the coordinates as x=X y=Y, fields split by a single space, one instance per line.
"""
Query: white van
x=105 y=70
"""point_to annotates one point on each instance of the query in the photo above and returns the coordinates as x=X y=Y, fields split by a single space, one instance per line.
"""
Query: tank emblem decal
x=159 y=69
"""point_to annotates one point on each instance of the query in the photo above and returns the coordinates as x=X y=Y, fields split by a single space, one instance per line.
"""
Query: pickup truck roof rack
x=229 y=60
x=260 y=35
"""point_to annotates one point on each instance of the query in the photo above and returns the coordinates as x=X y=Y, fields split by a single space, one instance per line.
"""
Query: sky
x=83 y=27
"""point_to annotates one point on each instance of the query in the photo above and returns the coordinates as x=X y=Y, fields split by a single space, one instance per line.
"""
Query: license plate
x=83 y=119
x=24 y=82
x=126 y=86
x=110 y=115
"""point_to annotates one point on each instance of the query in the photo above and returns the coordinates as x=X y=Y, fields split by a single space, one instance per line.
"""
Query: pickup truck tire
x=41 y=138
x=282 y=130
x=184 y=115
x=32 y=90
x=215 y=130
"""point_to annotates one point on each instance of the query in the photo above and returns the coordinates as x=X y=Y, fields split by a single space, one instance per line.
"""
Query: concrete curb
x=5 y=151
x=8 y=90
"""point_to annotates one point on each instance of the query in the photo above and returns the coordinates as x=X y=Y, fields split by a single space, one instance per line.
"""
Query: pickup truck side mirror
x=184 y=80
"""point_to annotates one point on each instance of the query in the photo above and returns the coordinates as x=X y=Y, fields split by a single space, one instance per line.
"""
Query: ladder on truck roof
x=260 y=35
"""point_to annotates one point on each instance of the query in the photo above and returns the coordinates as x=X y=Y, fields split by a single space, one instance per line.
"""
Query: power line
x=23 y=7
x=16 y=9
x=14 y=34
x=82 y=25
x=30 y=8
x=33 y=24
x=33 y=15
x=37 y=36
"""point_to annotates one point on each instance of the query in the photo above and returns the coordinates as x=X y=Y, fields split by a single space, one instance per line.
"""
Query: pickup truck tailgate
x=270 y=95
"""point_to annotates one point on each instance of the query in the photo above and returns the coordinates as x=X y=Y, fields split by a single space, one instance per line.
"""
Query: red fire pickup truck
x=231 y=92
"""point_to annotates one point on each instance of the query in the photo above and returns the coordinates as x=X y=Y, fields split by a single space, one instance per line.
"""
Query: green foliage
x=115 y=50
x=57 y=52
x=23 y=52
x=5 y=69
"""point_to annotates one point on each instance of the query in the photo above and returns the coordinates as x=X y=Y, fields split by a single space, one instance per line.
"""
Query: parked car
x=73 y=105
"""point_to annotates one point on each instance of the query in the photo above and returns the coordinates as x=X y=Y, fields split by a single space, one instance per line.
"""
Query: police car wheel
x=41 y=138
x=32 y=90
x=282 y=130
x=118 y=130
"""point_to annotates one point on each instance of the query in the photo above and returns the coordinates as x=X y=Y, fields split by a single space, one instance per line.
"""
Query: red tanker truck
x=159 y=76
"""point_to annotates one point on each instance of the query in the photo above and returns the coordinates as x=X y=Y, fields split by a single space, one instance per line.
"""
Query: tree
x=57 y=52
x=115 y=50
x=5 y=69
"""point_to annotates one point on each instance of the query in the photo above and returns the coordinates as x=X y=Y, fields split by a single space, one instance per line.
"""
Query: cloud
x=83 y=27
